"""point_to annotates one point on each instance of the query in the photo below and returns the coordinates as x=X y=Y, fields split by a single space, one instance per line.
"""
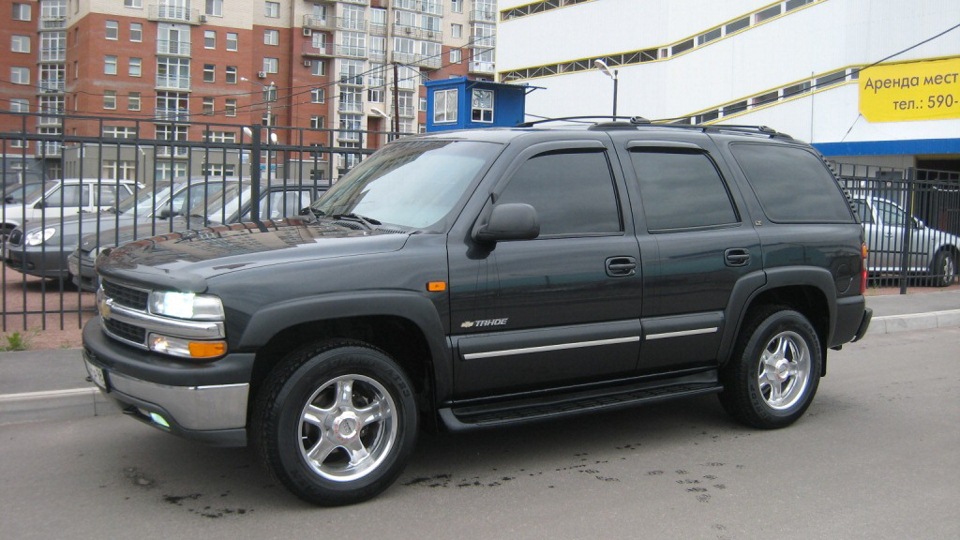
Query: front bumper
x=50 y=263
x=204 y=402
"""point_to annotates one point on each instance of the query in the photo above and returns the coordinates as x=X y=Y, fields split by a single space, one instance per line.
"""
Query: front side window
x=572 y=191
x=681 y=190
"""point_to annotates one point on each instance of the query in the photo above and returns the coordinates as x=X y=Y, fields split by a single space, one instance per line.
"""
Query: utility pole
x=396 y=100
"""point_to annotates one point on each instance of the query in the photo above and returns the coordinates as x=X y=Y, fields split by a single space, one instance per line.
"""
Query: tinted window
x=793 y=185
x=573 y=192
x=681 y=190
x=66 y=196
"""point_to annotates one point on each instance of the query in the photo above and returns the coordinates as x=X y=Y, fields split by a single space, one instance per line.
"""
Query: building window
x=20 y=75
x=136 y=32
x=481 y=107
x=232 y=41
x=271 y=65
x=138 y=4
x=271 y=37
x=445 y=106
x=133 y=101
x=215 y=8
x=318 y=68
x=456 y=56
x=273 y=10
x=110 y=99
x=208 y=106
x=375 y=95
x=21 y=12
x=112 y=30
x=209 y=39
x=120 y=132
x=230 y=107
x=109 y=65
x=317 y=95
x=218 y=170
x=136 y=67
x=456 y=6
x=20 y=44
x=209 y=73
x=456 y=30
x=231 y=75
x=19 y=105
x=317 y=122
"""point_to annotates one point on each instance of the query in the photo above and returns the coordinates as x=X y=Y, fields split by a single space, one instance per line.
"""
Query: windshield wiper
x=367 y=222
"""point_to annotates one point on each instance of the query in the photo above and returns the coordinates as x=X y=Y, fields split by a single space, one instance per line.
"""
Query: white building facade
x=871 y=81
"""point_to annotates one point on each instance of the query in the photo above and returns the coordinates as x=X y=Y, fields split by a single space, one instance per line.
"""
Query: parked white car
x=65 y=198
x=932 y=252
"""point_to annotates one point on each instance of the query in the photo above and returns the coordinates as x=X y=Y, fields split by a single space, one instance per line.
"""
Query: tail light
x=863 y=268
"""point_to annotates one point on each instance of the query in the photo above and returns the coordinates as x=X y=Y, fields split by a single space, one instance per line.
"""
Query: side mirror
x=509 y=221
x=10 y=199
x=918 y=223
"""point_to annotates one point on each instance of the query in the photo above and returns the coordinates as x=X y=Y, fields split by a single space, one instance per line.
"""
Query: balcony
x=482 y=15
x=53 y=120
x=350 y=51
x=416 y=32
x=174 y=14
x=326 y=24
x=378 y=56
x=348 y=136
x=53 y=22
x=351 y=24
x=351 y=80
x=172 y=114
x=427 y=62
x=52 y=86
x=482 y=68
x=173 y=47
x=378 y=29
x=350 y=107
x=53 y=54
x=168 y=82
x=324 y=50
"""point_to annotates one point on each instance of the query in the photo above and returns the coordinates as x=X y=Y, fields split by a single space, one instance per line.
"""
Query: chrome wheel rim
x=784 y=370
x=948 y=270
x=348 y=428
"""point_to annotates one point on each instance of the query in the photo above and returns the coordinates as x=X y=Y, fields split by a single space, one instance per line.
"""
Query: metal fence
x=911 y=220
x=153 y=174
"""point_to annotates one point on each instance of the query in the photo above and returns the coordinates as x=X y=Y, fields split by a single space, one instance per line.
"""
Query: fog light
x=159 y=420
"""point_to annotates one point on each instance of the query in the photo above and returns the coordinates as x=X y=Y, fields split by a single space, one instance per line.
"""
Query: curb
x=75 y=403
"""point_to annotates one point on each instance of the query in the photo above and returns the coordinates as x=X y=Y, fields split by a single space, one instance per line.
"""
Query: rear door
x=697 y=244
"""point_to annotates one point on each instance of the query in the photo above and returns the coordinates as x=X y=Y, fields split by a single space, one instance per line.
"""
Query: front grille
x=126 y=296
x=126 y=331
x=15 y=238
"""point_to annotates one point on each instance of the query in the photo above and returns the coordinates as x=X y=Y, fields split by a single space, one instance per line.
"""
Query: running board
x=519 y=411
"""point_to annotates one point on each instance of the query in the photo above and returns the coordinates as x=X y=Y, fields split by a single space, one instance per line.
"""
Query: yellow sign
x=911 y=91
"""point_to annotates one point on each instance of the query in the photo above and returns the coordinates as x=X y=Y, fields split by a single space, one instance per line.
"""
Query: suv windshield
x=410 y=184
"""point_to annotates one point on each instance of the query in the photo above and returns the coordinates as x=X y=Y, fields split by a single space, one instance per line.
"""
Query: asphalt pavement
x=52 y=384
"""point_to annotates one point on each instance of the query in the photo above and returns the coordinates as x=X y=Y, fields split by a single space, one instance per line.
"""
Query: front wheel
x=772 y=377
x=336 y=422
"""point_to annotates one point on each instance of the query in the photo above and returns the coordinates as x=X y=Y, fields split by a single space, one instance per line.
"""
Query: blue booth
x=461 y=103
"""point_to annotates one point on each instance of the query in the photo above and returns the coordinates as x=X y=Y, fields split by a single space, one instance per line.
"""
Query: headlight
x=199 y=307
x=38 y=236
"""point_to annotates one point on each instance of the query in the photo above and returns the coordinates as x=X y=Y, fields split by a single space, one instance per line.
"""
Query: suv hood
x=186 y=259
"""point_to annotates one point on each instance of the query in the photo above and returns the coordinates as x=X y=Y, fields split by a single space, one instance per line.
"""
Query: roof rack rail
x=742 y=128
x=633 y=120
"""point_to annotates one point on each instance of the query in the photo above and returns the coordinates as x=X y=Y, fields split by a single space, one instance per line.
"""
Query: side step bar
x=466 y=418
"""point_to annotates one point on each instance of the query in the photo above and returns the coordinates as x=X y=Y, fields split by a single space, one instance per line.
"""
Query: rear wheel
x=775 y=370
x=944 y=269
x=336 y=422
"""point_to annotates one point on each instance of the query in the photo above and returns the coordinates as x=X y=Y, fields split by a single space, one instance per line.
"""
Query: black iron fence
x=911 y=220
x=72 y=185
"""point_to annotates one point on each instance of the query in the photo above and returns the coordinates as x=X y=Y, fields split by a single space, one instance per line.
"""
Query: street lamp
x=269 y=96
x=602 y=66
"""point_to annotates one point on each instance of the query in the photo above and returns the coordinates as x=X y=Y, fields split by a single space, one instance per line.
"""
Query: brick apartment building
x=315 y=72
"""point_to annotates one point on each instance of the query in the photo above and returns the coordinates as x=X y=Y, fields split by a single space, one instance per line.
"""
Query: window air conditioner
x=203 y=19
x=307 y=32
x=261 y=74
x=307 y=63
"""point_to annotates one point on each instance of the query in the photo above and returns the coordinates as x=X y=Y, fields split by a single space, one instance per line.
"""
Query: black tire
x=349 y=403
x=944 y=269
x=774 y=373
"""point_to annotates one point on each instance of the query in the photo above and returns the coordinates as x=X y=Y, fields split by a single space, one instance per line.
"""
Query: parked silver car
x=931 y=251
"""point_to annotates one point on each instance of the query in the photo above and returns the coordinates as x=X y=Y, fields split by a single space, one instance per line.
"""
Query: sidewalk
x=51 y=384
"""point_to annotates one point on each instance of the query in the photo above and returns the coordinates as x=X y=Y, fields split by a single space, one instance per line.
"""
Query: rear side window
x=681 y=190
x=793 y=184
x=573 y=193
